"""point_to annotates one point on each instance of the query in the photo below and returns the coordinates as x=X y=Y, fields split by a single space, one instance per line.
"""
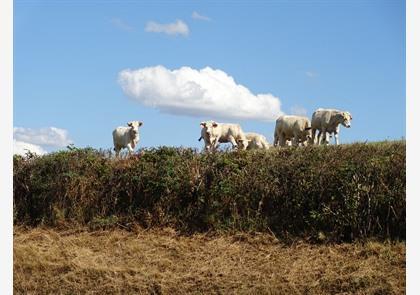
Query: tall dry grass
x=48 y=261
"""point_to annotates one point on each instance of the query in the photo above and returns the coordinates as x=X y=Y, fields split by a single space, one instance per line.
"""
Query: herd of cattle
x=289 y=130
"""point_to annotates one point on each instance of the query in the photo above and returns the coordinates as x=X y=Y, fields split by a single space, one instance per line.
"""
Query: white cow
x=255 y=141
x=126 y=137
x=214 y=133
x=328 y=121
x=294 y=128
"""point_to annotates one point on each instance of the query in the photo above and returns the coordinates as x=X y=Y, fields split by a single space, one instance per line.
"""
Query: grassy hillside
x=326 y=193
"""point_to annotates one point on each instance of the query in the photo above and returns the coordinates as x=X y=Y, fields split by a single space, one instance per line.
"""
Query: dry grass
x=50 y=261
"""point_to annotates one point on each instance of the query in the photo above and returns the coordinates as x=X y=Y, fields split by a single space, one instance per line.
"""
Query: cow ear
x=130 y=124
x=203 y=124
x=140 y=123
x=214 y=124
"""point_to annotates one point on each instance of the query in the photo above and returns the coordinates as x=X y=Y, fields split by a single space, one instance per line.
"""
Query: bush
x=335 y=192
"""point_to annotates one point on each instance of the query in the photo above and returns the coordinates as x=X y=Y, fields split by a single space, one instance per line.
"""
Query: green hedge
x=335 y=192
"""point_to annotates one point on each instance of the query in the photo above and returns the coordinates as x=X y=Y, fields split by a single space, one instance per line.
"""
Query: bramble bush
x=336 y=193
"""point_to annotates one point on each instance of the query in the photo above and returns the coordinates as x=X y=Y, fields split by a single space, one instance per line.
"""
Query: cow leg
x=336 y=138
x=130 y=149
x=282 y=139
x=313 y=138
x=117 y=152
x=215 y=143
x=325 y=137
x=276 y=139
x=232 y=140
x=295 y=139
x=207 y=144
x=208 y=147
x=319 y=141
x=216 y=146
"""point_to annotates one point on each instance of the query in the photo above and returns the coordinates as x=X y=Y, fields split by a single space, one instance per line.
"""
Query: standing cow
x=294 y=128
x=214 y=133
x=126 y=137
x=328 y=121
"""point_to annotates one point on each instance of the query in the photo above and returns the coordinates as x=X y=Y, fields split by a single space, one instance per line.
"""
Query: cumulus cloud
x=298 y=110
x=21 y=148
x=49 y=136
x=121 y=24
x=204 y=92
x=196 y=15
x=176 y=28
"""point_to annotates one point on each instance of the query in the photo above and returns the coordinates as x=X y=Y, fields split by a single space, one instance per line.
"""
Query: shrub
x=339 y=192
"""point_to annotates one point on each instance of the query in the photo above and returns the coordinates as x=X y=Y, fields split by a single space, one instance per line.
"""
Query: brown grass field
x=160 y=261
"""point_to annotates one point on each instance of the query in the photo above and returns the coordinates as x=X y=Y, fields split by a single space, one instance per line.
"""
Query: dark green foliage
x=336 y=192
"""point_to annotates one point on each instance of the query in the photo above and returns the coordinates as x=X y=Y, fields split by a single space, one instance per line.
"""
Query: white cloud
x=205 y=92
x=50 y=136
x=311 y=74
x=178 y=27
x=121 y=24
x=196 y=15
x=20 y=148
x=298 y=110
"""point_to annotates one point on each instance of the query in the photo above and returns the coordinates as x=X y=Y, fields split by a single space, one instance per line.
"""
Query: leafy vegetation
x=326 y=193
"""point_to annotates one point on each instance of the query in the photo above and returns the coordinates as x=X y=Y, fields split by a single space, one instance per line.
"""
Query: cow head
x=307 y=135
x=134 y=128
x=345 y=118
x=242 y=143
x=209 y=129
x=135 y=124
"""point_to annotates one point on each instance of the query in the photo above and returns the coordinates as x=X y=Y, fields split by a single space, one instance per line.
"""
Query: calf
x=126 y=137
x=255 y=141
x=215 y=133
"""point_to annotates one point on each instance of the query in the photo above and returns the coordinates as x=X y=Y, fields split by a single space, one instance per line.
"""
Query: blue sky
x=68 y=56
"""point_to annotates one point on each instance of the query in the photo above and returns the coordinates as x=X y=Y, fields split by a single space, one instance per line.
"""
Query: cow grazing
x=215 y=133
x=255 y=141
x=294 y=128
x=328 y=121
x=126 y=137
